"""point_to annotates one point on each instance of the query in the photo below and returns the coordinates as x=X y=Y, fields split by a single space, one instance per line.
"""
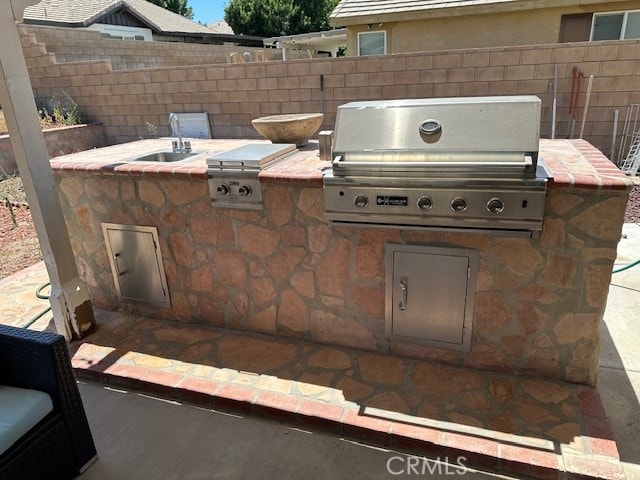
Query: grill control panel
x=487 y=207
x=238 y=192
x=424 y=203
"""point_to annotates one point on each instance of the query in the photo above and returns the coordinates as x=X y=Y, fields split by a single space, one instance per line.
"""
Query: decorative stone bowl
x=290 y=128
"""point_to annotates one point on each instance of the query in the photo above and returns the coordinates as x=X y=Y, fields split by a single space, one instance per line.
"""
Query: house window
x=616 y=26
x=372 y=43
x=575 y=27
x=123 y=32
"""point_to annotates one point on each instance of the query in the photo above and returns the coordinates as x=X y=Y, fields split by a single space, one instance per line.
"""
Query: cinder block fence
x=135 y=103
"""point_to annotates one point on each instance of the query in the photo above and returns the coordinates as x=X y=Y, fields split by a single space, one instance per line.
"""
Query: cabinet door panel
x=430 y=293
x=429 y=296
x=136 y=263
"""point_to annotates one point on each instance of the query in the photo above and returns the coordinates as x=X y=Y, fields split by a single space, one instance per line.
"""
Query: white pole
x=555 y=101
x=616 y=114
x=586 y=105
x=72 y=310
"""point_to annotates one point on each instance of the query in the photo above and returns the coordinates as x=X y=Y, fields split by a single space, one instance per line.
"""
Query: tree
x=316 y=13
x=181 y=7
x=272 y=18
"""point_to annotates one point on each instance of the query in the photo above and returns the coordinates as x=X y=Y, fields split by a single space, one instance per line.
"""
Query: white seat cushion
x=20 y=410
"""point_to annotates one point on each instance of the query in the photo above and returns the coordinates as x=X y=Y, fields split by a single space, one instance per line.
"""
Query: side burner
x=233 y=175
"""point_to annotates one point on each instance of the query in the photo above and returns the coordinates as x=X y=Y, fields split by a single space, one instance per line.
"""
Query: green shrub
x=61 y=112
x=74 y=115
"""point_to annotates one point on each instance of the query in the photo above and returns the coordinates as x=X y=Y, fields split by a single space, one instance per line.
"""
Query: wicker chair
x=60 y=445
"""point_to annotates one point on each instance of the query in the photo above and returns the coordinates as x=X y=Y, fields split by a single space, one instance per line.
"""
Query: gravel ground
x=19 y=246
x=11 y=189
x=632 y=215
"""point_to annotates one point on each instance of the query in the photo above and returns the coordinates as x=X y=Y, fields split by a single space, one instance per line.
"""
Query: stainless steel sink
x=166 y=156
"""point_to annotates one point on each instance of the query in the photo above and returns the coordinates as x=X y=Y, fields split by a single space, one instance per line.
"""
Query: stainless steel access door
x=136 y=264
x=430 y=295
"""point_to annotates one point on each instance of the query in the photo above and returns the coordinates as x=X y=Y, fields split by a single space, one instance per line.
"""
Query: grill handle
x=339 y=162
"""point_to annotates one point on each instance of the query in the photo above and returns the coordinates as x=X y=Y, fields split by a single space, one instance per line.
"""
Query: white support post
x=72 y=310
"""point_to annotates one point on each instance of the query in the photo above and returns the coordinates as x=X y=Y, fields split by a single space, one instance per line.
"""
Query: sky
x=207 y=11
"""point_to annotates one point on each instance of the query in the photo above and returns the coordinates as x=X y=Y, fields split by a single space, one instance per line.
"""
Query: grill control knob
x=495 y=205
x=223 y=190
x=361 y=201
x=424 y=203
x=245 y=190
x=458 y=204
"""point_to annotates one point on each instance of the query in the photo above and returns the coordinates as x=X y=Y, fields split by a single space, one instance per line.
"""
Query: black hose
x=40 y=295
x=39 y=292
x=627 y=267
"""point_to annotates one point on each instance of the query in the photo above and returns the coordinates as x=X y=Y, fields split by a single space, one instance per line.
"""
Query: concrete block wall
x=59 y=141
x=127 y=101
x=76 y=45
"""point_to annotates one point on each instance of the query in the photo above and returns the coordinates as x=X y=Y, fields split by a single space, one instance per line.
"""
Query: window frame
x=623 y=27
x=123 y=31
x=368 y=32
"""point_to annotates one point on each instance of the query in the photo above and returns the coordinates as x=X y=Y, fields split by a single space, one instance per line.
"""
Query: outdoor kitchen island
x=286 y=271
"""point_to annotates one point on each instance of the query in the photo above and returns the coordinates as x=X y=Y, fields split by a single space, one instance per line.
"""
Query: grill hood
x=453 y=132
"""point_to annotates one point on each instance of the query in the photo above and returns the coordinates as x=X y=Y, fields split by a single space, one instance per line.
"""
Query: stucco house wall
x=448 y=29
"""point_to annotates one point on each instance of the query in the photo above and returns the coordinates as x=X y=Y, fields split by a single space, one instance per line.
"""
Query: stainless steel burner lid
x=251 y=156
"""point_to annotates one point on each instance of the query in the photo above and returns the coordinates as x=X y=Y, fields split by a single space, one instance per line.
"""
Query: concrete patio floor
x=509 y=424
x=210 y=444
x=619 y=376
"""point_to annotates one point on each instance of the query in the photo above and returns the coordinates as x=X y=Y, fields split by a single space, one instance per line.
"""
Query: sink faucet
x=178 y=145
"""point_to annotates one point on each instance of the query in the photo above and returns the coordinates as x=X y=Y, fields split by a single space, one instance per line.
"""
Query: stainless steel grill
x=452 y=163
x=233 y=175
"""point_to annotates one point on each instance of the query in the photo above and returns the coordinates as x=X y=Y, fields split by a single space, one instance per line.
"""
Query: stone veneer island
x=285 y=271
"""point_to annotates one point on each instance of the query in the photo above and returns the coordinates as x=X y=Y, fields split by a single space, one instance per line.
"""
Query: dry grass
x=46 y=122
x=19 y=247
x=11 y=188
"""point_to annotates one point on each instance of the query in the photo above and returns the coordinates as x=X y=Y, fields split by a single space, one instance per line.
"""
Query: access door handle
x=115 y=262
x=403 y=294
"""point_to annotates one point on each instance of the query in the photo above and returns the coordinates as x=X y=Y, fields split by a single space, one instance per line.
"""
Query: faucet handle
x=174 y=145
x=187 y=145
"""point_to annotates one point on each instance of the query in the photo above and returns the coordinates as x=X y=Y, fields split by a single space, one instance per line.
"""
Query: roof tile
x=85 y=12
x=356 y=8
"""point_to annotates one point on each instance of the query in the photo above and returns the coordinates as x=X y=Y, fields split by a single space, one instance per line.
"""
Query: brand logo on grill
x=384 y=200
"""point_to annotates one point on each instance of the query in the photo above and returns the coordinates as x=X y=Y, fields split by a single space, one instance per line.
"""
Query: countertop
x=303 y=166
x=577 y=164
x=573 y=164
